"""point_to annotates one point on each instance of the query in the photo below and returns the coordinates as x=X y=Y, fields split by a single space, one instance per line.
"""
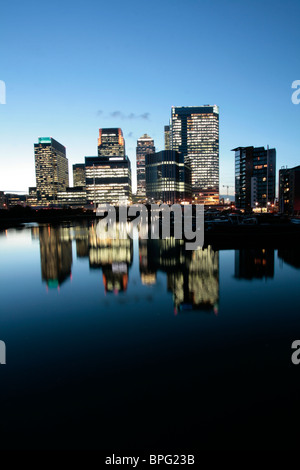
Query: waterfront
x=115 y=344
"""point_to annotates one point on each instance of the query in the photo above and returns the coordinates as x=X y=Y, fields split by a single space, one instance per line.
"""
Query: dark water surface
x=121 y=344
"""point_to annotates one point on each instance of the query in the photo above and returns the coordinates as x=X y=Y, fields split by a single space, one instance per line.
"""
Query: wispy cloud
x=130 y=134
x=120 y=115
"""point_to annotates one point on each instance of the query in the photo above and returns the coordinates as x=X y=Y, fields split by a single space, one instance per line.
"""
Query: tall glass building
x=51 y=169
x=108 y=179
x=255 y=175
x=111 y=142
x=195 y=133
x=108 y=176
x=78 y=174
x=168 y=177
x=145 y=145
x=167 y=138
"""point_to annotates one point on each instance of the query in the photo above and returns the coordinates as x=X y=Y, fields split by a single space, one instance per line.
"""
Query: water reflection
x=113 y=256
x=192 y=276
x=290 y=256
x=56 y=254
x=254 y=263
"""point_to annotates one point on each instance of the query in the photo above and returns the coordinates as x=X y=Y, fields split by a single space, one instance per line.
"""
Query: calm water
x=115 y=344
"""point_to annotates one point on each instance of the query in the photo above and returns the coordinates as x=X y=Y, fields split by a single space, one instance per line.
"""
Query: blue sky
x=73 y=67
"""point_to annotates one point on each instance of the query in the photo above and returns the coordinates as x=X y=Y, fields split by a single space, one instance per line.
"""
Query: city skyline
x=242 y=76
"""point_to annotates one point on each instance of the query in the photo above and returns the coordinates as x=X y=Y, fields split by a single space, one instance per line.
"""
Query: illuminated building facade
x=167 y=138
x=168 y=177
x=51 y=169
x=15 y=199
x=108 y=176
x=195 y=133
x=78 y=174
x=32 y=197
x=145 y=145
x=111 y=142
x=255 y=174
x=72 y=197
x=108 y=179
x=289 y=190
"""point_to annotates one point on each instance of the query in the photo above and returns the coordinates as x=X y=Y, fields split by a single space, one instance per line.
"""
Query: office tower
x=111 y=143
x=168 y=177
x=289 y=190
x=16 y=199
x=167 y=138
x=32 y=197
x=145 y=145
x=108 y=179
x=255 y=173
x=51 y=169
x=78 y=174
x=195 y=133
x=72 y=197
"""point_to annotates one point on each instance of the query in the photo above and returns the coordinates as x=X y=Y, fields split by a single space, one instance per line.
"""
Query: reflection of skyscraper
x=113 y=256
x=192 y=276
x=290 y=256
x=56 y=255
x=196 y=286
x=254 y=263
x=81 y=233
x=148 y=277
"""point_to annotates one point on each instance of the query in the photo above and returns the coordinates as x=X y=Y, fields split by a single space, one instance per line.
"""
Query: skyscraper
x=255 y=173
x=108 y=176
x=108 y=179
x=167 y=138
x=289 y=190
x=78 y=174
x=168 y=177
x=111 y=142
x=195 y=133
x=51 y=169
x=145 y=145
